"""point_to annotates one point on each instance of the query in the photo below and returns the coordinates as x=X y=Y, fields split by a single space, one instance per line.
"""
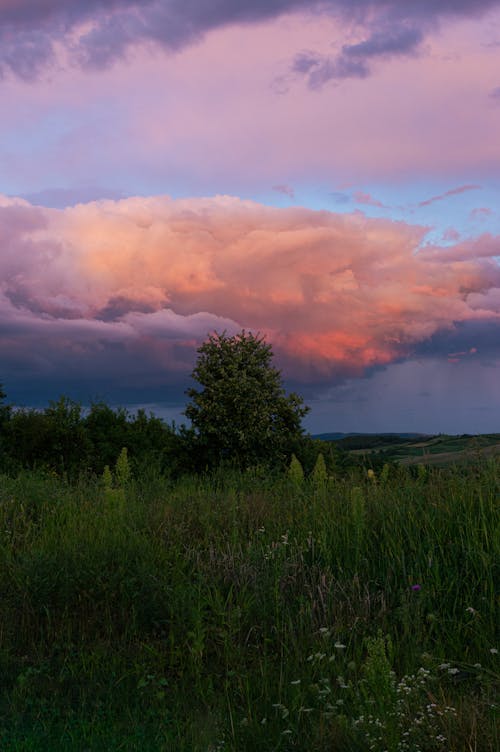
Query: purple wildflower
x=416 y=588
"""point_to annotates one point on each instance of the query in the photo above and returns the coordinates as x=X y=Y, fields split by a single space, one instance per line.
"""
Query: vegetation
x=436 y=450
x=161 y=591
x=241 y=415
x=248 y=610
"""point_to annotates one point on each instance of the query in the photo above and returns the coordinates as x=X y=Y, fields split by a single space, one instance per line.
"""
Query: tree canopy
x=241 y=414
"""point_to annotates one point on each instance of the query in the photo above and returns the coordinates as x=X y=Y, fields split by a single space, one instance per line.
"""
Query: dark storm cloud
x=466 y=339
x=29 y=28
x=115 y=297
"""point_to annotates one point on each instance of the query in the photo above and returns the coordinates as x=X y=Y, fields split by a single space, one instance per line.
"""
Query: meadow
x=251 y=611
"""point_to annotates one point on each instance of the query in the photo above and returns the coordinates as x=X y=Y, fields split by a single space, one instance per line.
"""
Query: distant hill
x=339 y=436
x=417 y=448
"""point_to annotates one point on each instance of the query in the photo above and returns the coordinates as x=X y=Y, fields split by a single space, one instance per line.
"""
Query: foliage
x=234 y=612
x=241 y=414
x=5 y=410
x=63 y=439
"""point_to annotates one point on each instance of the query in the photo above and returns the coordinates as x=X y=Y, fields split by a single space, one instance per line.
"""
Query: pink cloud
x=451 y=192
x=450 y=234
x=366 y=198
x=335 y=294
x=482 y=247
x=223 y=127
x=481 y=212
x=286 y=190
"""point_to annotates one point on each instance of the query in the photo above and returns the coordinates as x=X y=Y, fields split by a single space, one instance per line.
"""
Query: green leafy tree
x=4 y=409
x=108 y=431
x=5 y=413
x=241 y=414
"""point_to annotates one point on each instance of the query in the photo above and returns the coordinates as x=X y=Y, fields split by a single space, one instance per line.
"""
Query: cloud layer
x=120 y=293
x=97 y=32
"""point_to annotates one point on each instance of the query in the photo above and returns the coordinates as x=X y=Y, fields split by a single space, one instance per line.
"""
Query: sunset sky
x=326 y=174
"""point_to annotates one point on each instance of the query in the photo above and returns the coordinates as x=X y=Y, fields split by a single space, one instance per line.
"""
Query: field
x=440 y=450
x=247 y=612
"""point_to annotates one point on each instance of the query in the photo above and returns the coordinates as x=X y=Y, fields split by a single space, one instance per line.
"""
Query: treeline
x=66 y=439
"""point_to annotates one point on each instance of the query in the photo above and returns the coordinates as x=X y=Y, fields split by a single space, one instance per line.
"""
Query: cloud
x=486 y=246
x=340 y=198
x=286 y=190
x=118 y=294
x=388 y=42
x=452 y=192
x=97 y=32
x=354 y=59
x=481 y=212
x=319 y=69
x=473 y=339
x=360 y=197
x=59 y=198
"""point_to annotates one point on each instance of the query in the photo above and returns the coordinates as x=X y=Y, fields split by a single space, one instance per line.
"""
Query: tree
x=241 y=414
x=5 y=414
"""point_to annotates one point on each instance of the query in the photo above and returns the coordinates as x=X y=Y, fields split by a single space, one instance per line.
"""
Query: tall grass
x=245 y=611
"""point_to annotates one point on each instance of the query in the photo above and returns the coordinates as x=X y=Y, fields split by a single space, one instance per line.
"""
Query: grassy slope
x=235 y=614
x=433 y=450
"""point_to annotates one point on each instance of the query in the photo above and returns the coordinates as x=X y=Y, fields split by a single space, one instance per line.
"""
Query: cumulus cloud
x=97 y=32
x=123 y=292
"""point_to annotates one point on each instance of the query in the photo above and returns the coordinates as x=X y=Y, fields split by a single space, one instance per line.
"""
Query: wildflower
x=319 y=474
x=416 y=587
x=493 y=651
x=107 y=477
x=453 y=671
x=122 y=468
x=296 y=681
x=295 y=471
x=471 y=610
x=339 y=646
x=371 y=474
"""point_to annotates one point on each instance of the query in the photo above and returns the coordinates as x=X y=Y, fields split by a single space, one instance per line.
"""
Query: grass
x=245 y=612
x=441 y=450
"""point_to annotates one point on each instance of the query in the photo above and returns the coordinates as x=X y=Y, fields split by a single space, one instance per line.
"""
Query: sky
x=326 y=174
